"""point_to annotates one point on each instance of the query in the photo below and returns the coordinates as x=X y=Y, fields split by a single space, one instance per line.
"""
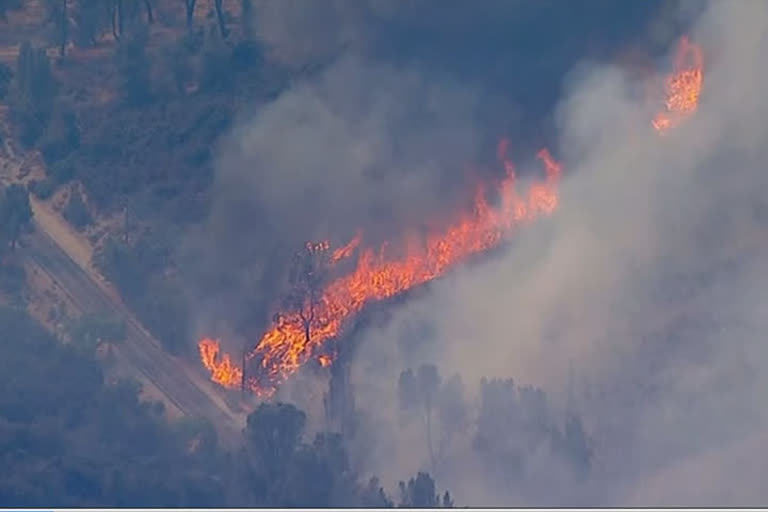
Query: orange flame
x=222 y=371
x=682 y=87
x=284 y=347
x=347 y=250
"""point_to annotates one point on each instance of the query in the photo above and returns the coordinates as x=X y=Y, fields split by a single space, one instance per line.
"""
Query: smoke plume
x=637 y=304
x=640 y=298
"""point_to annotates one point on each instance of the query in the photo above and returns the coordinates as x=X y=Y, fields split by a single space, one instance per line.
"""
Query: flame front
x=378 y=275
x=284 y=348
x=682 y=87
x=223 y=370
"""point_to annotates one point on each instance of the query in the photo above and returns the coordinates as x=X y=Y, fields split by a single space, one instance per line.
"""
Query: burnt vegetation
x=126 y=102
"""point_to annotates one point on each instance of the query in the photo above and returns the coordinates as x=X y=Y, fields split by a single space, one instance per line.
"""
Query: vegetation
x=32 y=94
x=6 y=74
x=126 y=103
x=70 y=437
x=8 y=5
x=15 y=216
x=76 y=212
x=91 y=332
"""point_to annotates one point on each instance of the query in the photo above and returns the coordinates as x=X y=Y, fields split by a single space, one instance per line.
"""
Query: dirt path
x=140 y=351
x=60 y=256
x=48 y=301
x=78 y=249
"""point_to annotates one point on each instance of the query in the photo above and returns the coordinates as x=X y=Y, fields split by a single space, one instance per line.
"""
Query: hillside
x=489 y=246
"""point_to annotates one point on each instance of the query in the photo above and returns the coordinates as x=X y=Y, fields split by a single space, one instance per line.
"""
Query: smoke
x=641 y=296
x=637 y=304
x=343 y=146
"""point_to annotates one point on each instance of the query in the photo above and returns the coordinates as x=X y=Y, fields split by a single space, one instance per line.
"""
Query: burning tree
x=318 y=315
x=306 y=279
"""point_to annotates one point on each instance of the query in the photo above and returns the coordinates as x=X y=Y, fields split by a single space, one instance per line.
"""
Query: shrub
x=42 y=189
x=6 y=74
x=76 y=212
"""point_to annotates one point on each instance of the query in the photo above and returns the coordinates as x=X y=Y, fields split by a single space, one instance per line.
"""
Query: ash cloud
x=641 y=297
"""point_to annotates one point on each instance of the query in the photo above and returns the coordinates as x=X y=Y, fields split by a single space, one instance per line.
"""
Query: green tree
x=68 y=436
x=373 y=495
x=221 y=18
x=513 y=424
x=61 y=137
x=306 y=277
x=420 y=390
x=134 y=66
x=15 y=215
x=32 y=93
x=126 y=18
x=148 y=9
x=12 y=279
x=429 y=381
x=216 y=73
x=91 y=19
x=42 y=189
x=6 y=75
x=76 y=212
x=57 y=12
x=117 y=18
x=419 y=492
x=247 y=19
x=163 y=310
x=176 y=58
x=8 y=5
x=273 y=432
x=197 y=436
x=91 y=332
x=189 y=5
x=574 y=446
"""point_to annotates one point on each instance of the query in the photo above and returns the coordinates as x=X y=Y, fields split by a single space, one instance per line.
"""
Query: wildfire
x=223 y=370
x=682 y=87
x=296 y=336
x=378 y=275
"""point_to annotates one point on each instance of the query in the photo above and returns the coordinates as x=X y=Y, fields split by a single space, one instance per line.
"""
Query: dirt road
x=141 y=351
x=65 y=256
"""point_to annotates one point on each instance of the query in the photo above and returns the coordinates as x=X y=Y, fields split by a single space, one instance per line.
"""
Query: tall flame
x=378 y=275
x=682 y=87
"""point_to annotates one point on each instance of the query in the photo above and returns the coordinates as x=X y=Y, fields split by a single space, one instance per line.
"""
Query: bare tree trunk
x=242 y=375
x=64 y=28
x=307 y=319
x=326 y=412
x=428 y=411
x=117 y=19
x=220 y=18
x=246 y=18
x=150 y=15
x=120 y=16
x=190 y=5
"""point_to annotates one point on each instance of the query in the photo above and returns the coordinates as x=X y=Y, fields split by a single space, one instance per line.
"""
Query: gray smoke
x=642 y=296
x=638 y=304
